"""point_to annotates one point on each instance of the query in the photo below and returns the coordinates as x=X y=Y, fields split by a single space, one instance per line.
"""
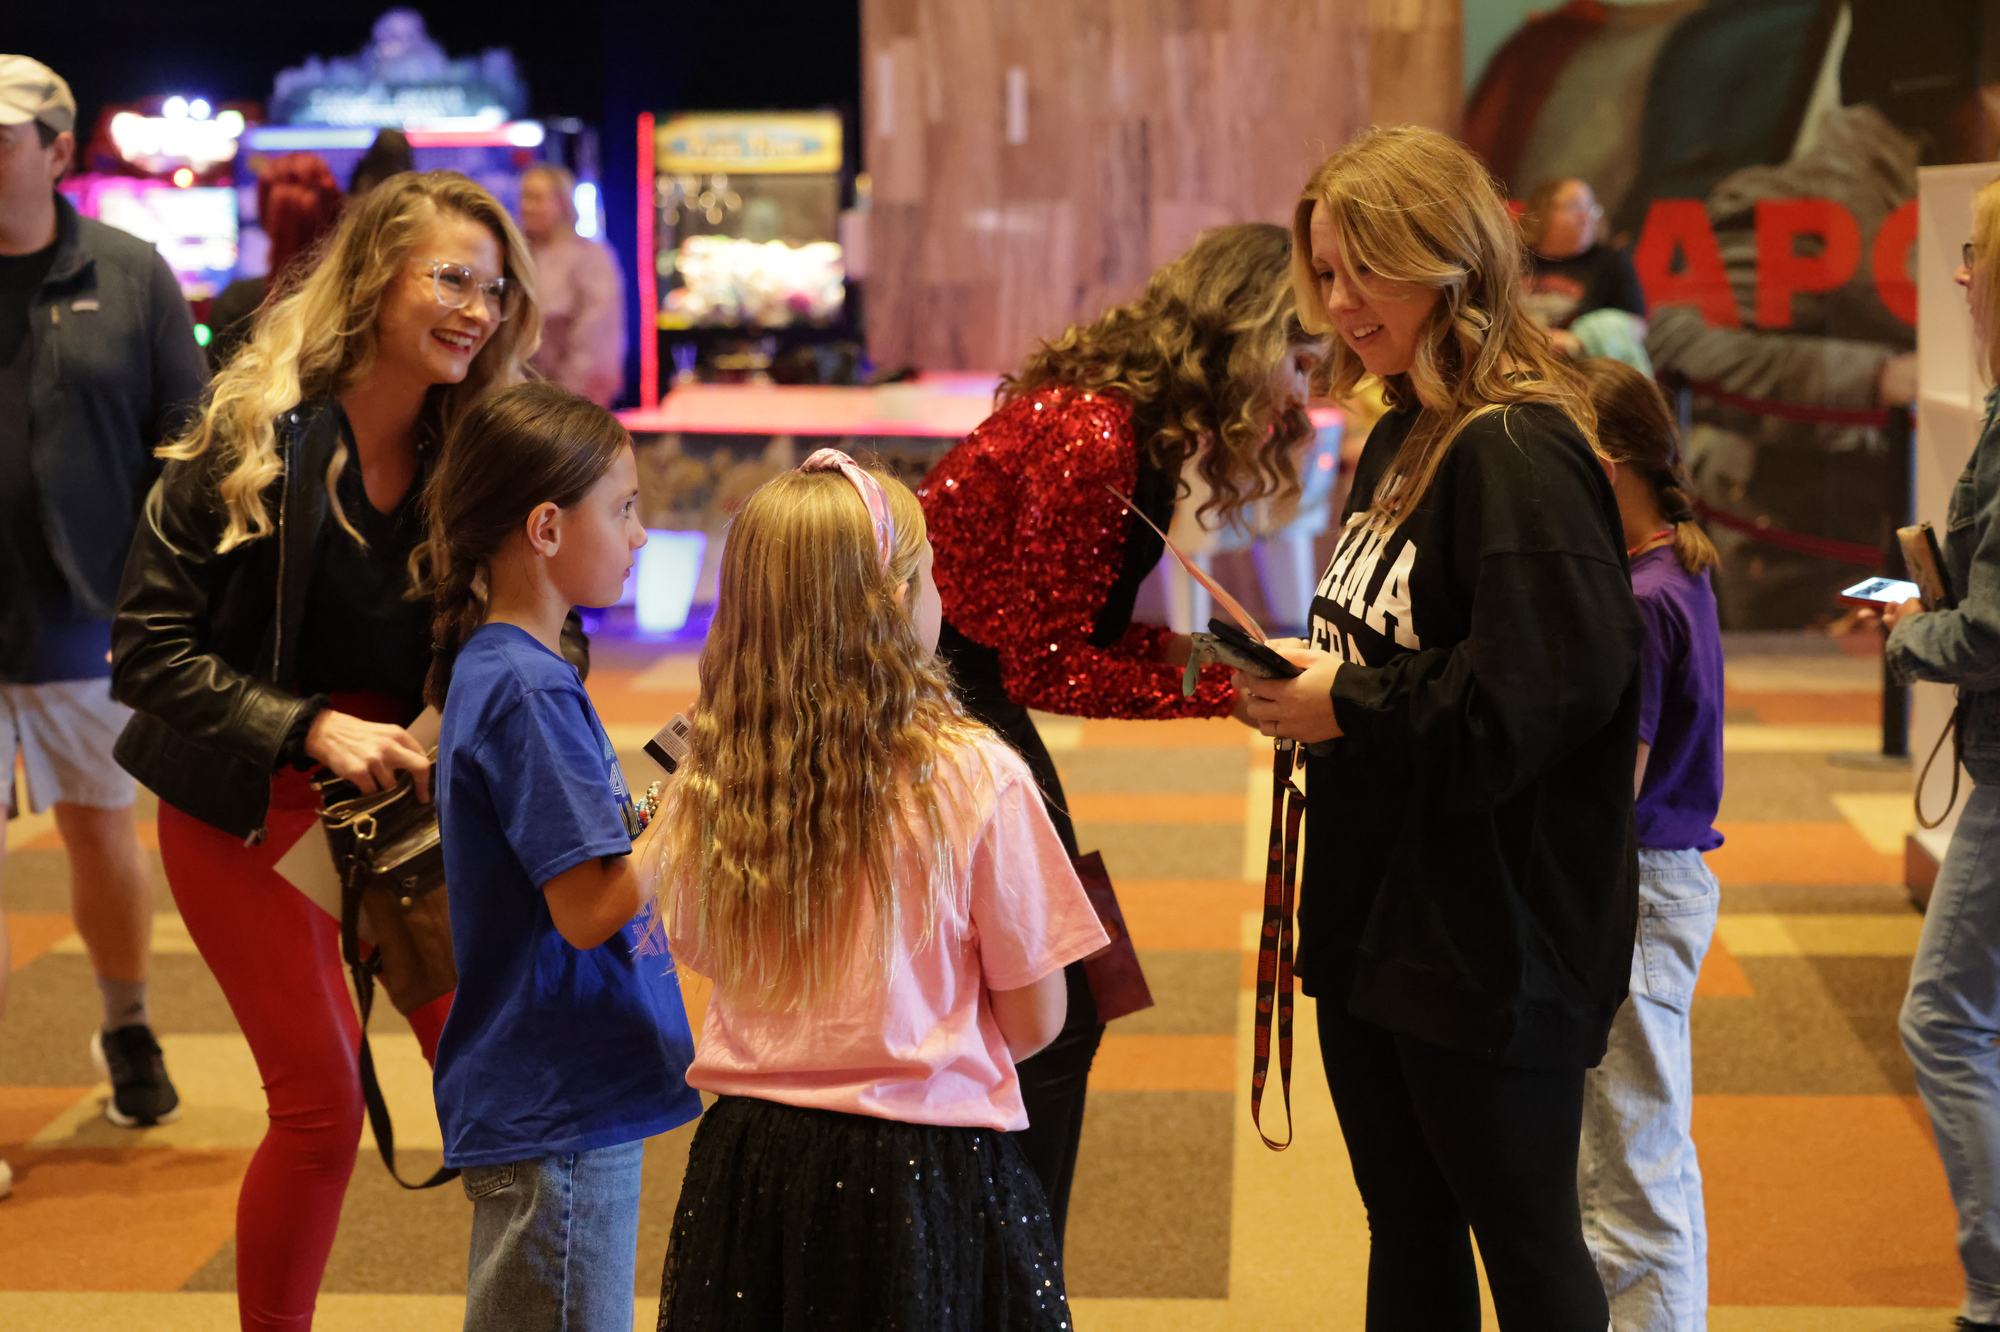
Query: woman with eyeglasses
x=1951 y=1015
x=1573 y=274
x=270 y=623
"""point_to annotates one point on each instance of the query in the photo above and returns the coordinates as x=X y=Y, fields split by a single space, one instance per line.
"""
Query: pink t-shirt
x=916 y=1041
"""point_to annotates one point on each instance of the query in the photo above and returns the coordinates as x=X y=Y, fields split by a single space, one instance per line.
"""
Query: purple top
x=1680 y=705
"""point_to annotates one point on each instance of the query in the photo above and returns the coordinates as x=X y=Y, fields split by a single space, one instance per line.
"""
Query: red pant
x=277 y=957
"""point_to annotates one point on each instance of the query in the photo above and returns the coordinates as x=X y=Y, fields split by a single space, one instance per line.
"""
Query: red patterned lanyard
x=1274 y=943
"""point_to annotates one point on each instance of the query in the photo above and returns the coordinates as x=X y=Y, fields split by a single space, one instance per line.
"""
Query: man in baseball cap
x=98 y=363
x=30 y=90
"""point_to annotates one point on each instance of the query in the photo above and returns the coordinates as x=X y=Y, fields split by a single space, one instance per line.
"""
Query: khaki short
x=63 y=733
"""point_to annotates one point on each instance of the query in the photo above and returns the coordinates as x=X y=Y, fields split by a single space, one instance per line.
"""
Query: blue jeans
x=1950 y=1023
x=1637 y=1178
x=555 y=1242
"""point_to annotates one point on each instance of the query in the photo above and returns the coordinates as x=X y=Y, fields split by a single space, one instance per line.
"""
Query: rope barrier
x=1874 y=417
x=1823 y=548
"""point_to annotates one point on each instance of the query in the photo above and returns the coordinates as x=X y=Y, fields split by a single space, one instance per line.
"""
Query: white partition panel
x=1951 y=391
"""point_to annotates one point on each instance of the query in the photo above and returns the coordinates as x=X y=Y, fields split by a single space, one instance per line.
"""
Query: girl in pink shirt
x=870 y=878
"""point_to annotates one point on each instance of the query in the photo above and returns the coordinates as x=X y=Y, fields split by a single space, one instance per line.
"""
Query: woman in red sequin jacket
x=1039 y=564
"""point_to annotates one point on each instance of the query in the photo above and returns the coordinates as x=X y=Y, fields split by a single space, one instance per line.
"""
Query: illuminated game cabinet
x=161 y=169
x=741 y=213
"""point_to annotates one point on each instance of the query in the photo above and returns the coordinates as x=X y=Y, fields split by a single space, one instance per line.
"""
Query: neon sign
x=156 y=143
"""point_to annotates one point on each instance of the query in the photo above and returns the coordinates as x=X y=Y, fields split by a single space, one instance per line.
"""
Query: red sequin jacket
x=1028 y=544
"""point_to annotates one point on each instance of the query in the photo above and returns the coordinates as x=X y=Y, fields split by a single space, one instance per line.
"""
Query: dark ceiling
x=722 y=54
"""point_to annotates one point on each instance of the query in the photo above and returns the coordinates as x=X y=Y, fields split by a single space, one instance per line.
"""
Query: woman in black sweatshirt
x=1469 y=898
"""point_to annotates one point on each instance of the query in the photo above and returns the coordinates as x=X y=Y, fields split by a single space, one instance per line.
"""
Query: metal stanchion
x=1897 y=512
x=1902 y=510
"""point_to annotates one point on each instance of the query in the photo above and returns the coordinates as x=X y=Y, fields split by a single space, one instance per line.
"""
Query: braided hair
x=1636 y=430
x=524 y=446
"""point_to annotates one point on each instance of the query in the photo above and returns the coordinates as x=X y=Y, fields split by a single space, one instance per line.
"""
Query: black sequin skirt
x=817 y=1221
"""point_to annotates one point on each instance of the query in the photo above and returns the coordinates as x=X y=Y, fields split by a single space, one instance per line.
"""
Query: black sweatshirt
x=1471 y=875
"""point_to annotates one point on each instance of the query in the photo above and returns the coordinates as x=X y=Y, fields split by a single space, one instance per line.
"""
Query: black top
x=362 y=630
x=1471 y=874
x=230 y=317
x=26 y=568
x=1561 y=291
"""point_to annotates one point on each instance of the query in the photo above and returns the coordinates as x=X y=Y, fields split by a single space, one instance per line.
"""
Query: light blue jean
x=1950 y=1023
x=1637 y=1178
x=555 y=1242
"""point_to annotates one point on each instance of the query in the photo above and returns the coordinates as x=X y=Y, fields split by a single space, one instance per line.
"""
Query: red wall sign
x=1804 y=247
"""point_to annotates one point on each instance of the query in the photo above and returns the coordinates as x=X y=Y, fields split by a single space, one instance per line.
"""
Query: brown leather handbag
x=390 y=858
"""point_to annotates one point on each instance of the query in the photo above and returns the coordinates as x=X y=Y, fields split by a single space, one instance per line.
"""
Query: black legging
x=1441 y=1141
x=1054 y=1081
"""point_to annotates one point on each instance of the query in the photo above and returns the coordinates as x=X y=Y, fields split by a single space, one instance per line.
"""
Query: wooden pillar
x=1414 y=63
x=1034 y=160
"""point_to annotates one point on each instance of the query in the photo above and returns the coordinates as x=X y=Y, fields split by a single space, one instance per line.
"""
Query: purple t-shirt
x=1680 y=705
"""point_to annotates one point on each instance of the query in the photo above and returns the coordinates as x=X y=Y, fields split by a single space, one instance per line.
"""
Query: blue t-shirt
x=1680 y=705
x=548 y=1049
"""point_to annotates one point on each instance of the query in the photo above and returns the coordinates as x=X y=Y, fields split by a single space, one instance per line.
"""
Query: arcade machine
x=744 y=226
x=460 y=113
x=161 y=169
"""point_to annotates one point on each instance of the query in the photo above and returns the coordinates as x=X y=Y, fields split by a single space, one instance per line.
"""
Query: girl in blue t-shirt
x=566 y=1047
x=1638 y=1181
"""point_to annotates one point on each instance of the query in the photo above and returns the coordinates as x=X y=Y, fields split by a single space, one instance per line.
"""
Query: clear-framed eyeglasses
x=1967 y=254
x=455 y=286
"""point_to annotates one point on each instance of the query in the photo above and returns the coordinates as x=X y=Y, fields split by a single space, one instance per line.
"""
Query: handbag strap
x=1923 y=778
x=363 y=971
x=1274 y=943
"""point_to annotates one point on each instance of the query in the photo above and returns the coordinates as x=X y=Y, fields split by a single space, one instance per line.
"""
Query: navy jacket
x=116 y=370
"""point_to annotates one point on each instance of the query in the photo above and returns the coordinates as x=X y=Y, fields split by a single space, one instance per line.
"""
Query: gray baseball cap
x=30 y=90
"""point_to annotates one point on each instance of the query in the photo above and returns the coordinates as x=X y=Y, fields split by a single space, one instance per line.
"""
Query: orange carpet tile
x=1722 y=976
x=32 y=933
x=1187 y=914
x=1803 y=709
x=1161 y=807
x=105 y=1219
x=1793 y=853
x=1164 y=1063
x=1823 y=1200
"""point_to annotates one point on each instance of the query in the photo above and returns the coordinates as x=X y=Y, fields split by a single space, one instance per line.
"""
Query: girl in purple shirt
x=1637 y=1177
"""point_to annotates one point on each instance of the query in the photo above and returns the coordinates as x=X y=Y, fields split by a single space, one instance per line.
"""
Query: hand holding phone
x=1875 y=593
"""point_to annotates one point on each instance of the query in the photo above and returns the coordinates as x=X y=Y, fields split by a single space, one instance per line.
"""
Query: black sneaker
x=1963 y=1324
x=142 y=1094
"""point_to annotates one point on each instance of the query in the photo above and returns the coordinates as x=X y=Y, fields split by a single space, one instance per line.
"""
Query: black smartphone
x=1245 y=653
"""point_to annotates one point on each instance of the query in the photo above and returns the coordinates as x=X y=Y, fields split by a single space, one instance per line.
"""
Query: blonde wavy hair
x=1194 y=356
x=1411 y=205
x=819 y=711
x=319 y=340
x=1985 y=288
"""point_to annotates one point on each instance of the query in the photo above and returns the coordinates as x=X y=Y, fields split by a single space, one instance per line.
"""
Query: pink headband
x=872 y=495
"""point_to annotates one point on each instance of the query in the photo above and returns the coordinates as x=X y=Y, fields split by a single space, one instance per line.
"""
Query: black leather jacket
x=202 y=639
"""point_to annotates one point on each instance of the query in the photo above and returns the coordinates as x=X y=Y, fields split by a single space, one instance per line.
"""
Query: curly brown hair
x=1195 y=357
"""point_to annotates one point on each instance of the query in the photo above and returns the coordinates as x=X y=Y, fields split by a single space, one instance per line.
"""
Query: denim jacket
x=1962 y=646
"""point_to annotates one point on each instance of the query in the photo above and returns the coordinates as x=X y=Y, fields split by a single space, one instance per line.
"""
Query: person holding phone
x=1469 y=898
x=1951 y=1016
x=1039 y=563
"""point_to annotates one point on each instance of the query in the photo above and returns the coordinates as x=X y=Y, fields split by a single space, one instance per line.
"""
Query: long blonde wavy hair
x=1411 y=205
x=319 y=340
x=1194 y=356
x=819 y=710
